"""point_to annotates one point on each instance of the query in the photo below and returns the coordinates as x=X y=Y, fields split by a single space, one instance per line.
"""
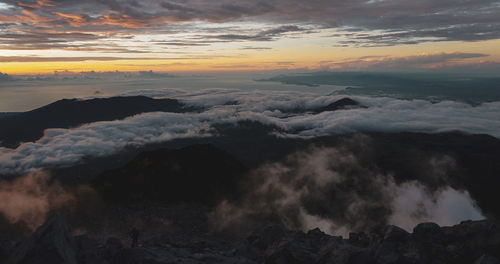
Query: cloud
x=68 y=146
x=414 y=203
x=421 y=61
x=55 y=59
x=86 y=75
x=255 y=48
x=45 y=37
x=183 y=43
x=329 y=188
x=5 y=77
x=61 y=147
x=27 y=200
x=265 y=35
x=358 y=22
x=383 y=114
x=5 y=6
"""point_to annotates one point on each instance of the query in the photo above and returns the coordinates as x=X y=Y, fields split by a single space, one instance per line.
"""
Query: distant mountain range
x=67 y=113
x=435 y=86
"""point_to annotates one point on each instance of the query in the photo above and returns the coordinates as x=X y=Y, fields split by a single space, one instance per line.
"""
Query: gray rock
x=340 y=252
x=113 y=245
x=319 y=239
x=134 y=256
x=290 y=251
x=5 y=248
x=471 y=242
x=392 y=246
x=265 y=237
x=427 y=231
x=395 y=234
x=485 y=259
x=91 y=251
x=50 y=243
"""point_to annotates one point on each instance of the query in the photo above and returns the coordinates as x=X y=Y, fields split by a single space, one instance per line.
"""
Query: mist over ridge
x=290 y=114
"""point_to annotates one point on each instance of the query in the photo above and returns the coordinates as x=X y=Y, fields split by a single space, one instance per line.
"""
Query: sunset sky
x=198 y=35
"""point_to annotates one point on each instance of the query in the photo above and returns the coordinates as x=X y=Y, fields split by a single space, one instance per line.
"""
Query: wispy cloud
x=265 y=35
x=96 y=58
x=389 y=22
x=421 y=61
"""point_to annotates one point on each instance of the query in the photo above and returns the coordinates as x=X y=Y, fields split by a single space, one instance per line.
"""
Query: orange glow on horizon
x=282 y=57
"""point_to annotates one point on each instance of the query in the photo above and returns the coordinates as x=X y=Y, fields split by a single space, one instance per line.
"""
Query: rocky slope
x=169 y=195
x=469 y=242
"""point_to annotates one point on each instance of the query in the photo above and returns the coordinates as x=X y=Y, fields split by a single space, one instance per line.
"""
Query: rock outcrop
x=51 y=243
x=468 y=242
x=471 y=242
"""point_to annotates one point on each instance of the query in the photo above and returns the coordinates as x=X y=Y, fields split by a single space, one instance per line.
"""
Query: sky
x=43 y=36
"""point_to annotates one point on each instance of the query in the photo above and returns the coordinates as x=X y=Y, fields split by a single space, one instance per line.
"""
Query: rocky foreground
x=469 y=242
x=154 y=192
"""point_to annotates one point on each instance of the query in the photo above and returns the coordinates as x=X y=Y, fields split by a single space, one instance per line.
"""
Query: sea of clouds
x=287 y=111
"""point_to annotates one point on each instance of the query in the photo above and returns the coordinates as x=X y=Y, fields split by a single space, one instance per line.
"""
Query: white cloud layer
x=446 y=207
x=60 y=147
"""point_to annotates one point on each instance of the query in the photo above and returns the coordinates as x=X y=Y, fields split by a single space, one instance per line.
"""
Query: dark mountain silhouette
x=341 y=104
x=403 y=85
x=197 y=173
x=66 y=113
x=344 y=103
